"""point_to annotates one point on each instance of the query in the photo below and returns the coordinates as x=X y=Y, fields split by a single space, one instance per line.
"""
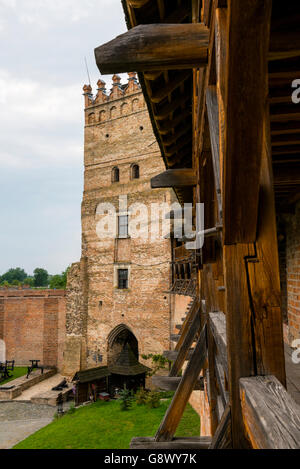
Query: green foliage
x=141 y=396
x=40 y=277
x=126 y=398
x=102 y=426
x=153 y=400
x=12 y=275
x=159 y=362
x=59 y=282
x=166 y=394
x=29 y=282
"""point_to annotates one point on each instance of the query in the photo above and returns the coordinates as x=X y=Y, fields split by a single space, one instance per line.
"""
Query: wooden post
x=175 y=411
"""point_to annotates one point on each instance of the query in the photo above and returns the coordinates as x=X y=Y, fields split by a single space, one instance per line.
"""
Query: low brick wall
x=22 y=383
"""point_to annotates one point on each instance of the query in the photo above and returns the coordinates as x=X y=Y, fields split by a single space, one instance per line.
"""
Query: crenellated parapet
x=122 y=99
x=117 y=91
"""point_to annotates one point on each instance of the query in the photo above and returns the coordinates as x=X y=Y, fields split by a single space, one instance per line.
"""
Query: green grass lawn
x=104 y=426
x=17 y=373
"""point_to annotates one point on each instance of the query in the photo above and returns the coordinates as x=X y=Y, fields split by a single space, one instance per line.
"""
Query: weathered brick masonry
x=118 y=135
x=32 y=325
x=289 y=254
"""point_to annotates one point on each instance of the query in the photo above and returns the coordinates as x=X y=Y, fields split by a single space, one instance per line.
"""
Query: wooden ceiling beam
x=137 y=3
x=155 y=47
x=166 y=126
x=289 y=139
x=167 y=141
x=279 y=128
x=179 y=145
x=163 y=92
x=174 y=178
x=169 y=108
x=284 y=45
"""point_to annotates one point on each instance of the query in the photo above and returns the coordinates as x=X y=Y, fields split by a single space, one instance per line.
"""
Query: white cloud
x=37 y=121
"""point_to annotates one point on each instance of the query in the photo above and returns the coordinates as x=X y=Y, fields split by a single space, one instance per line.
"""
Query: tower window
x=115 y=176
x=123 y=279
x=123 y=226
x=135 y=171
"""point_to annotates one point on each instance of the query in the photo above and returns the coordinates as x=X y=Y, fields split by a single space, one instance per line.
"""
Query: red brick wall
x=292 y=288
x=29 y=325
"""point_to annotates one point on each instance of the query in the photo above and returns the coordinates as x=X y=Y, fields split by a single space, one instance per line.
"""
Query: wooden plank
x=173 y=354
x=213 y=393
x=264 y=279
x=137 y=3
x=214 y=131
x=238 y=332
x=171 y=383
x=284 y=44
x=217 y=324
x=174 y=413
x=177 y=443
x=189 y=337
x=221 y=382
x=222 y=438
x=174 y=178
x=271 y=416
x=155 y=47
x=248 y=45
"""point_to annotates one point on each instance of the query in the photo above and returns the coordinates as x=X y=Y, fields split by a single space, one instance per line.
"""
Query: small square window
x=123 y=279
x=123 y=226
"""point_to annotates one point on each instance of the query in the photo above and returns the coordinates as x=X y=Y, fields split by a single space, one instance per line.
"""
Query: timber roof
x=86 y=376
x=127 y=364
x=176 y=89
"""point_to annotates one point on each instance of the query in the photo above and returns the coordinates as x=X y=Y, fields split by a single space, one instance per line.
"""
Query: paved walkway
x=18 y=420
x=40 y=388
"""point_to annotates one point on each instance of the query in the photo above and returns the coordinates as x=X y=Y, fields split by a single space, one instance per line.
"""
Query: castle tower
x=117 y=293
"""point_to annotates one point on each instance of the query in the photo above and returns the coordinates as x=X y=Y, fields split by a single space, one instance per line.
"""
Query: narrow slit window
x=123 y=226
x=123 y=279
x=115 y=175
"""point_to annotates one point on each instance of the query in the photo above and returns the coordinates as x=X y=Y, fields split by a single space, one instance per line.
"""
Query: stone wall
x=32 y=325
x=118 y=134
x=289 y=241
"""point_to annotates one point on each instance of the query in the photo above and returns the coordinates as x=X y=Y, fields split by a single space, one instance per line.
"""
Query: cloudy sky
x=42 y=72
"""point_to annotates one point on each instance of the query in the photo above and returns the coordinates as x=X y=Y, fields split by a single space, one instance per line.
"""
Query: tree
x=40 y=277
x=14 y=274
x=59 y=282
x=29 y=282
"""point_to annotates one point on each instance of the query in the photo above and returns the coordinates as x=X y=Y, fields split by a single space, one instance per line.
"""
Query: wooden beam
x=137 y=3
x=217 y=324
x=171 y=383
x=164 y=111
x=186 y=443
x=284 y=45
x=174 y=413
x=174 y=178
x=173 y=354
x=164 y=91
x=213 y=120
x=190 y=331
x=155 y=47
x=222 y=438
x=248 y=45
x=271 y=416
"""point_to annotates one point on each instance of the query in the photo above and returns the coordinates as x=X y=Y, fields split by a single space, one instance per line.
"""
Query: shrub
x=141 y=396
x=126 y=398
x=153 y=400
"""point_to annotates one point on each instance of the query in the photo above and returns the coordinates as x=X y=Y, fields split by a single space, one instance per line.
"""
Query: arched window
x=91 y=118
x=102 y=116
x=113 y=112
x=115 y=175
x=135 y=104
x=135 y=171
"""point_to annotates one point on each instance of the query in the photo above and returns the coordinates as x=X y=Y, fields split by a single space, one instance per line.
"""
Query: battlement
x=117 y=91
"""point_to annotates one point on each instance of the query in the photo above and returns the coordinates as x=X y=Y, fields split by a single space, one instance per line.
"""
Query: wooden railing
x=271 y=417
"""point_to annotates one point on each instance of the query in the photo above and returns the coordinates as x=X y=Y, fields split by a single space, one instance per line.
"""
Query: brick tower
x=117 y=293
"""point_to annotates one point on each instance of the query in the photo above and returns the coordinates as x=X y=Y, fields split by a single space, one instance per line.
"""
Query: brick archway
x=116 y=341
